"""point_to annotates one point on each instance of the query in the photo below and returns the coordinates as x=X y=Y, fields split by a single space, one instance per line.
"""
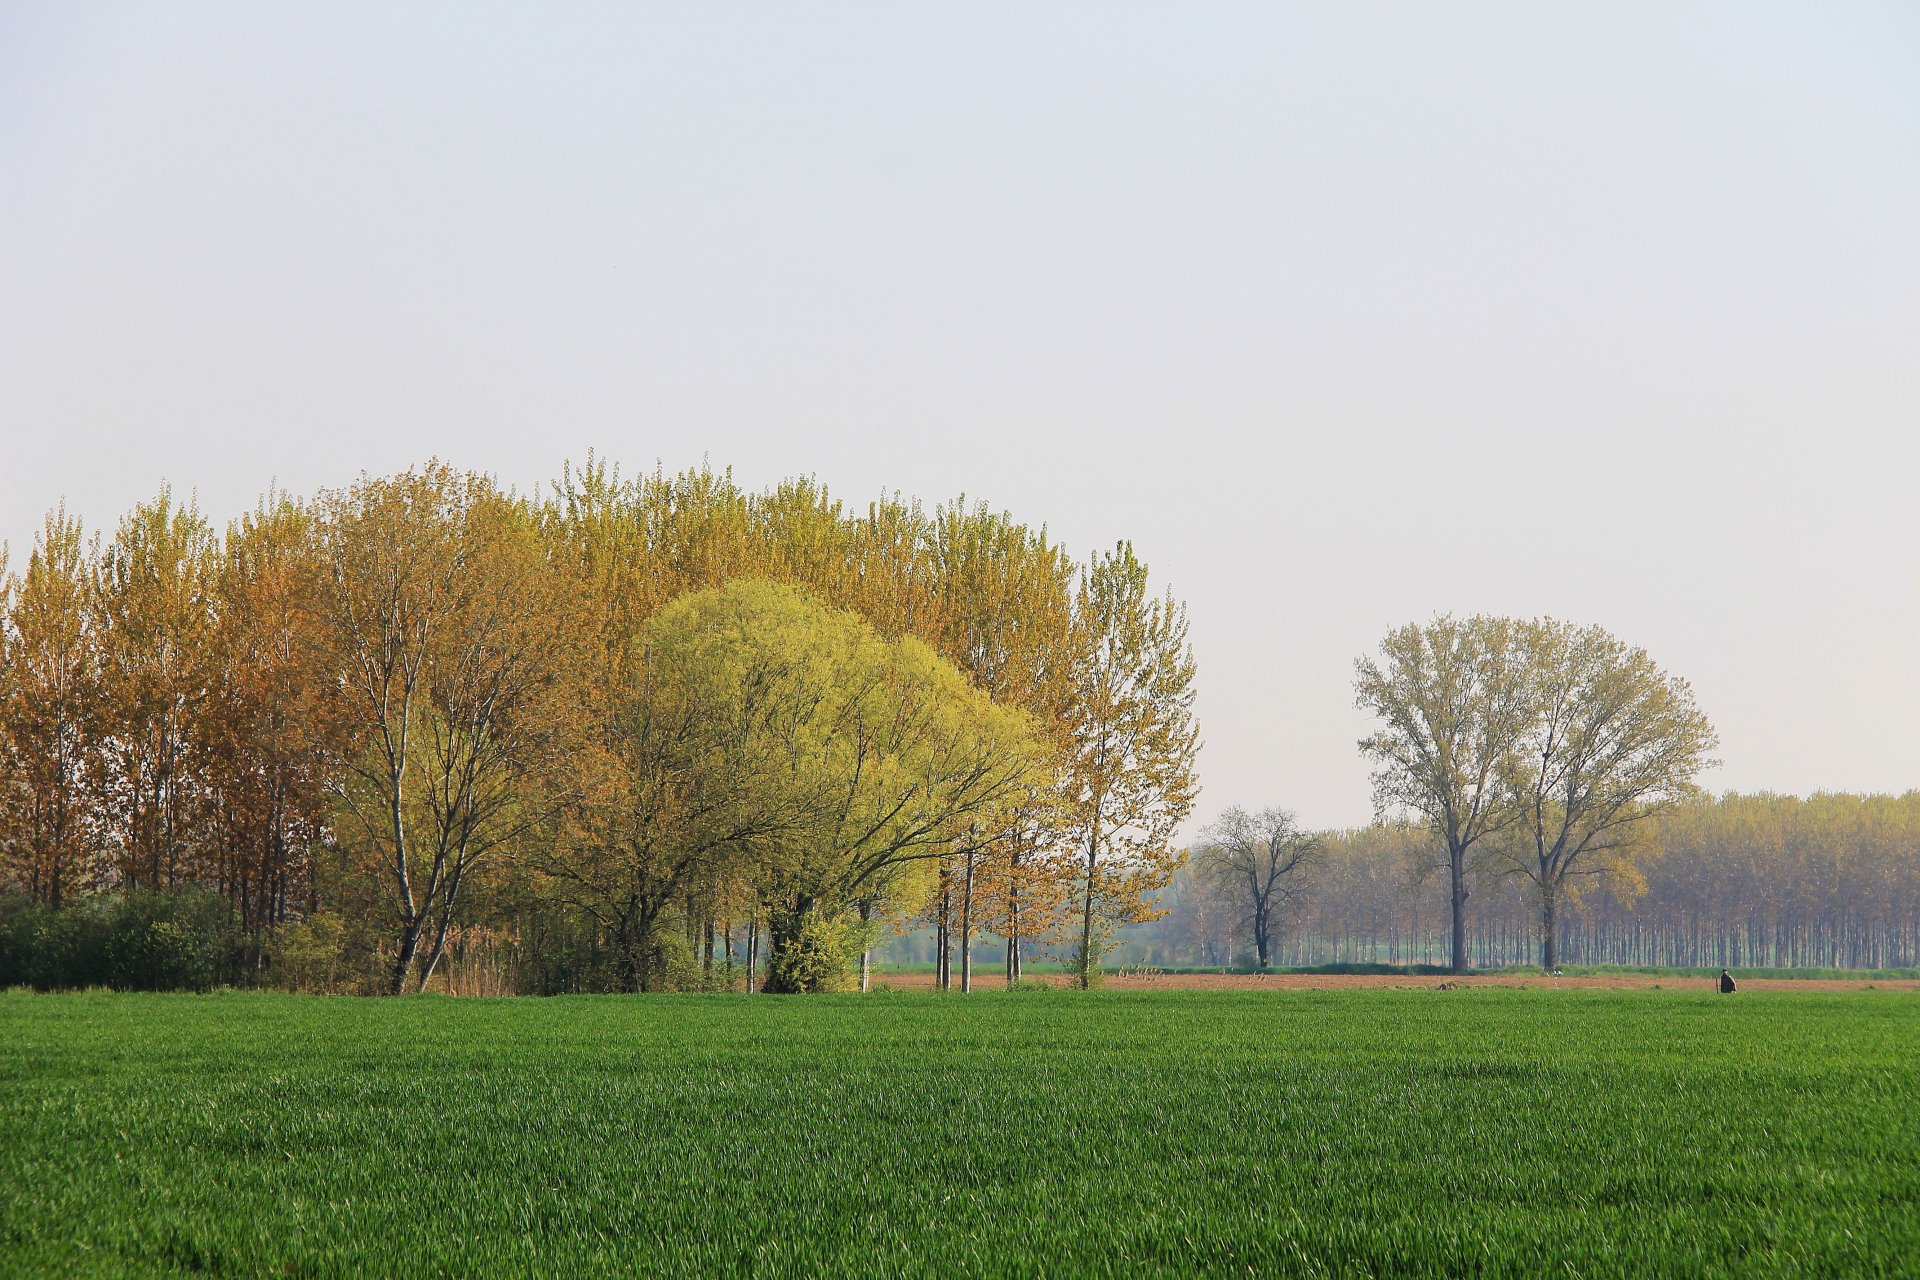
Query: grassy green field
x=1367 y=1132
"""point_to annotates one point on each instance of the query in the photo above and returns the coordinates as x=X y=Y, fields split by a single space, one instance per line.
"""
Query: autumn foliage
x=614 y=735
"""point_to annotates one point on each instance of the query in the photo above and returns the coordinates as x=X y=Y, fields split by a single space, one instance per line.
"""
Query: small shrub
x=309 y=955
x=819 y=957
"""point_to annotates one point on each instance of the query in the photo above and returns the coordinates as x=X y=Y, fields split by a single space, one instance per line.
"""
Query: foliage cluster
x=598 y=737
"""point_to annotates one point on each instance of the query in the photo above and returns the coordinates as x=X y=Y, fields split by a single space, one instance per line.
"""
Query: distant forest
x=1745 y=880
x=422 y=733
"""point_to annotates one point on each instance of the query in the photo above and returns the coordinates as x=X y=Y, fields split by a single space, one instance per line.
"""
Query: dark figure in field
x=1727 y=984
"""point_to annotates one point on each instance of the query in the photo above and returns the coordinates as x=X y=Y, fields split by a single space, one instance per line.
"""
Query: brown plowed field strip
x=1342 y=981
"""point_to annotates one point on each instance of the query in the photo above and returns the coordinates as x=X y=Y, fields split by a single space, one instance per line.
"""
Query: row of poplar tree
x=1831 y=880
x=617 y=720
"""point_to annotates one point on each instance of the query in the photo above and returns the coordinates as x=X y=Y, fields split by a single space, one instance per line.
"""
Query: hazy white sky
x=1344 y=313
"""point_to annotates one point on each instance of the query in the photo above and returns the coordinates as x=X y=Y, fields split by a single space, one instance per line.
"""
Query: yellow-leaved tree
x=50 y=705
x=155 y=595
x=1130 y=759
x=836 y=763
x=442 y=623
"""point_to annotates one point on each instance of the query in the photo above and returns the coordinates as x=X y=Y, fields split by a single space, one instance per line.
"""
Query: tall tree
x=1613 y=741
x=50 y=704
x=155 y=588
x=1005 y=617
x=1255 y=858
x=1453 y=699
x=441 y=619
x=271 y=722
x=1131 y=744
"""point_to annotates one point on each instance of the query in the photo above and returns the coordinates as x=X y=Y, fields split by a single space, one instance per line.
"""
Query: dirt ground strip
x=1339 y=981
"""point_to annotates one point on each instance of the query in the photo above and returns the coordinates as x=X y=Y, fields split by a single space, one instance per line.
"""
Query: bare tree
x=1255 y=857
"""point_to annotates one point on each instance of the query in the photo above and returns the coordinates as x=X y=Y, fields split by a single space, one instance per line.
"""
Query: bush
x=310 y=955
x=186 y=939
x=818 y=956
x=672 y=964
x=1097 y=946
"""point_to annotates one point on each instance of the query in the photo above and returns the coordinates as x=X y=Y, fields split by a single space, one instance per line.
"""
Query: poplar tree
x=1131 y=742
x=50 y=705
x=155 y=606
x=271 y=721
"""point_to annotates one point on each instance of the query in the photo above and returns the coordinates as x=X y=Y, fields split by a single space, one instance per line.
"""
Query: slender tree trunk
x=1086 y=910
x=943 y=939
x=1457 y=874
x=866 y=948
x=966 y=930
x=1013 y=918
x=753 y=945
x=434 y=952
x=1549 y=927
x=403 y=962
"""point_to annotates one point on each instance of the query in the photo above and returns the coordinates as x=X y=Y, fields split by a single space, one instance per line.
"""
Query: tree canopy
x=619 y=726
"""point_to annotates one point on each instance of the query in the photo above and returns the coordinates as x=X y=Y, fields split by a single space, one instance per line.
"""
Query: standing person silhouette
x=1727 y=985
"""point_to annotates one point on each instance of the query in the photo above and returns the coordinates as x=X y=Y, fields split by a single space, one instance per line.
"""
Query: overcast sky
x=1345 y=314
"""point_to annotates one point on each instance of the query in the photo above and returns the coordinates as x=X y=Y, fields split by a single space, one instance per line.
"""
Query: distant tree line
x=1832 y=881
x=1535 y=783
x=625 y=734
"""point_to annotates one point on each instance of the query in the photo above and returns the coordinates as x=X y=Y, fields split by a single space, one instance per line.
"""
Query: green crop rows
x=1360 y=1132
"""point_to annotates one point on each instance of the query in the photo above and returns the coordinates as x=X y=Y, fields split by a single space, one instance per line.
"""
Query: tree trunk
x=1086 y=912
x=794 y=964
x=1013 y=919
x=1457 y=874
x=403 y=963
x=753 y=945
x=943 y=939
x=1549 y=930
x=866 y=949
x=966 y=931
x=440 y=930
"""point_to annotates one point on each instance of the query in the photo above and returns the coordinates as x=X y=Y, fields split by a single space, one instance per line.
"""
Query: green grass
x=987 y=974
x=1713 y=971
x=1503 y=1131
